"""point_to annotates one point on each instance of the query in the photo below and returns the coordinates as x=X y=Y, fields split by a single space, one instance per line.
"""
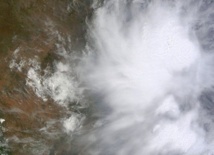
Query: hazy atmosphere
x=107 y=77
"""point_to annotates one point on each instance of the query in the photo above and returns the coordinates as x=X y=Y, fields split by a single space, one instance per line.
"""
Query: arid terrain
x=30 y=30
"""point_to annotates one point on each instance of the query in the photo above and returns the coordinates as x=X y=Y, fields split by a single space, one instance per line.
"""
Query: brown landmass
x=26 y=24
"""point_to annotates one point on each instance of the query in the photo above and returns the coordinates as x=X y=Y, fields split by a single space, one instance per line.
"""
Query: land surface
x=33 y=28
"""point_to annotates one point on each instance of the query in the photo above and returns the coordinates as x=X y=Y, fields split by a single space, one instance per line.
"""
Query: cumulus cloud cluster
x=148 y=67
x=149 y=64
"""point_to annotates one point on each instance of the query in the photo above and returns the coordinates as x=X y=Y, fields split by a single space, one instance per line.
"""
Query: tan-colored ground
x=30 y=25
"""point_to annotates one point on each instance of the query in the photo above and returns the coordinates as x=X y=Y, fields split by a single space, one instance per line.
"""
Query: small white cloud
x=72 y=123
